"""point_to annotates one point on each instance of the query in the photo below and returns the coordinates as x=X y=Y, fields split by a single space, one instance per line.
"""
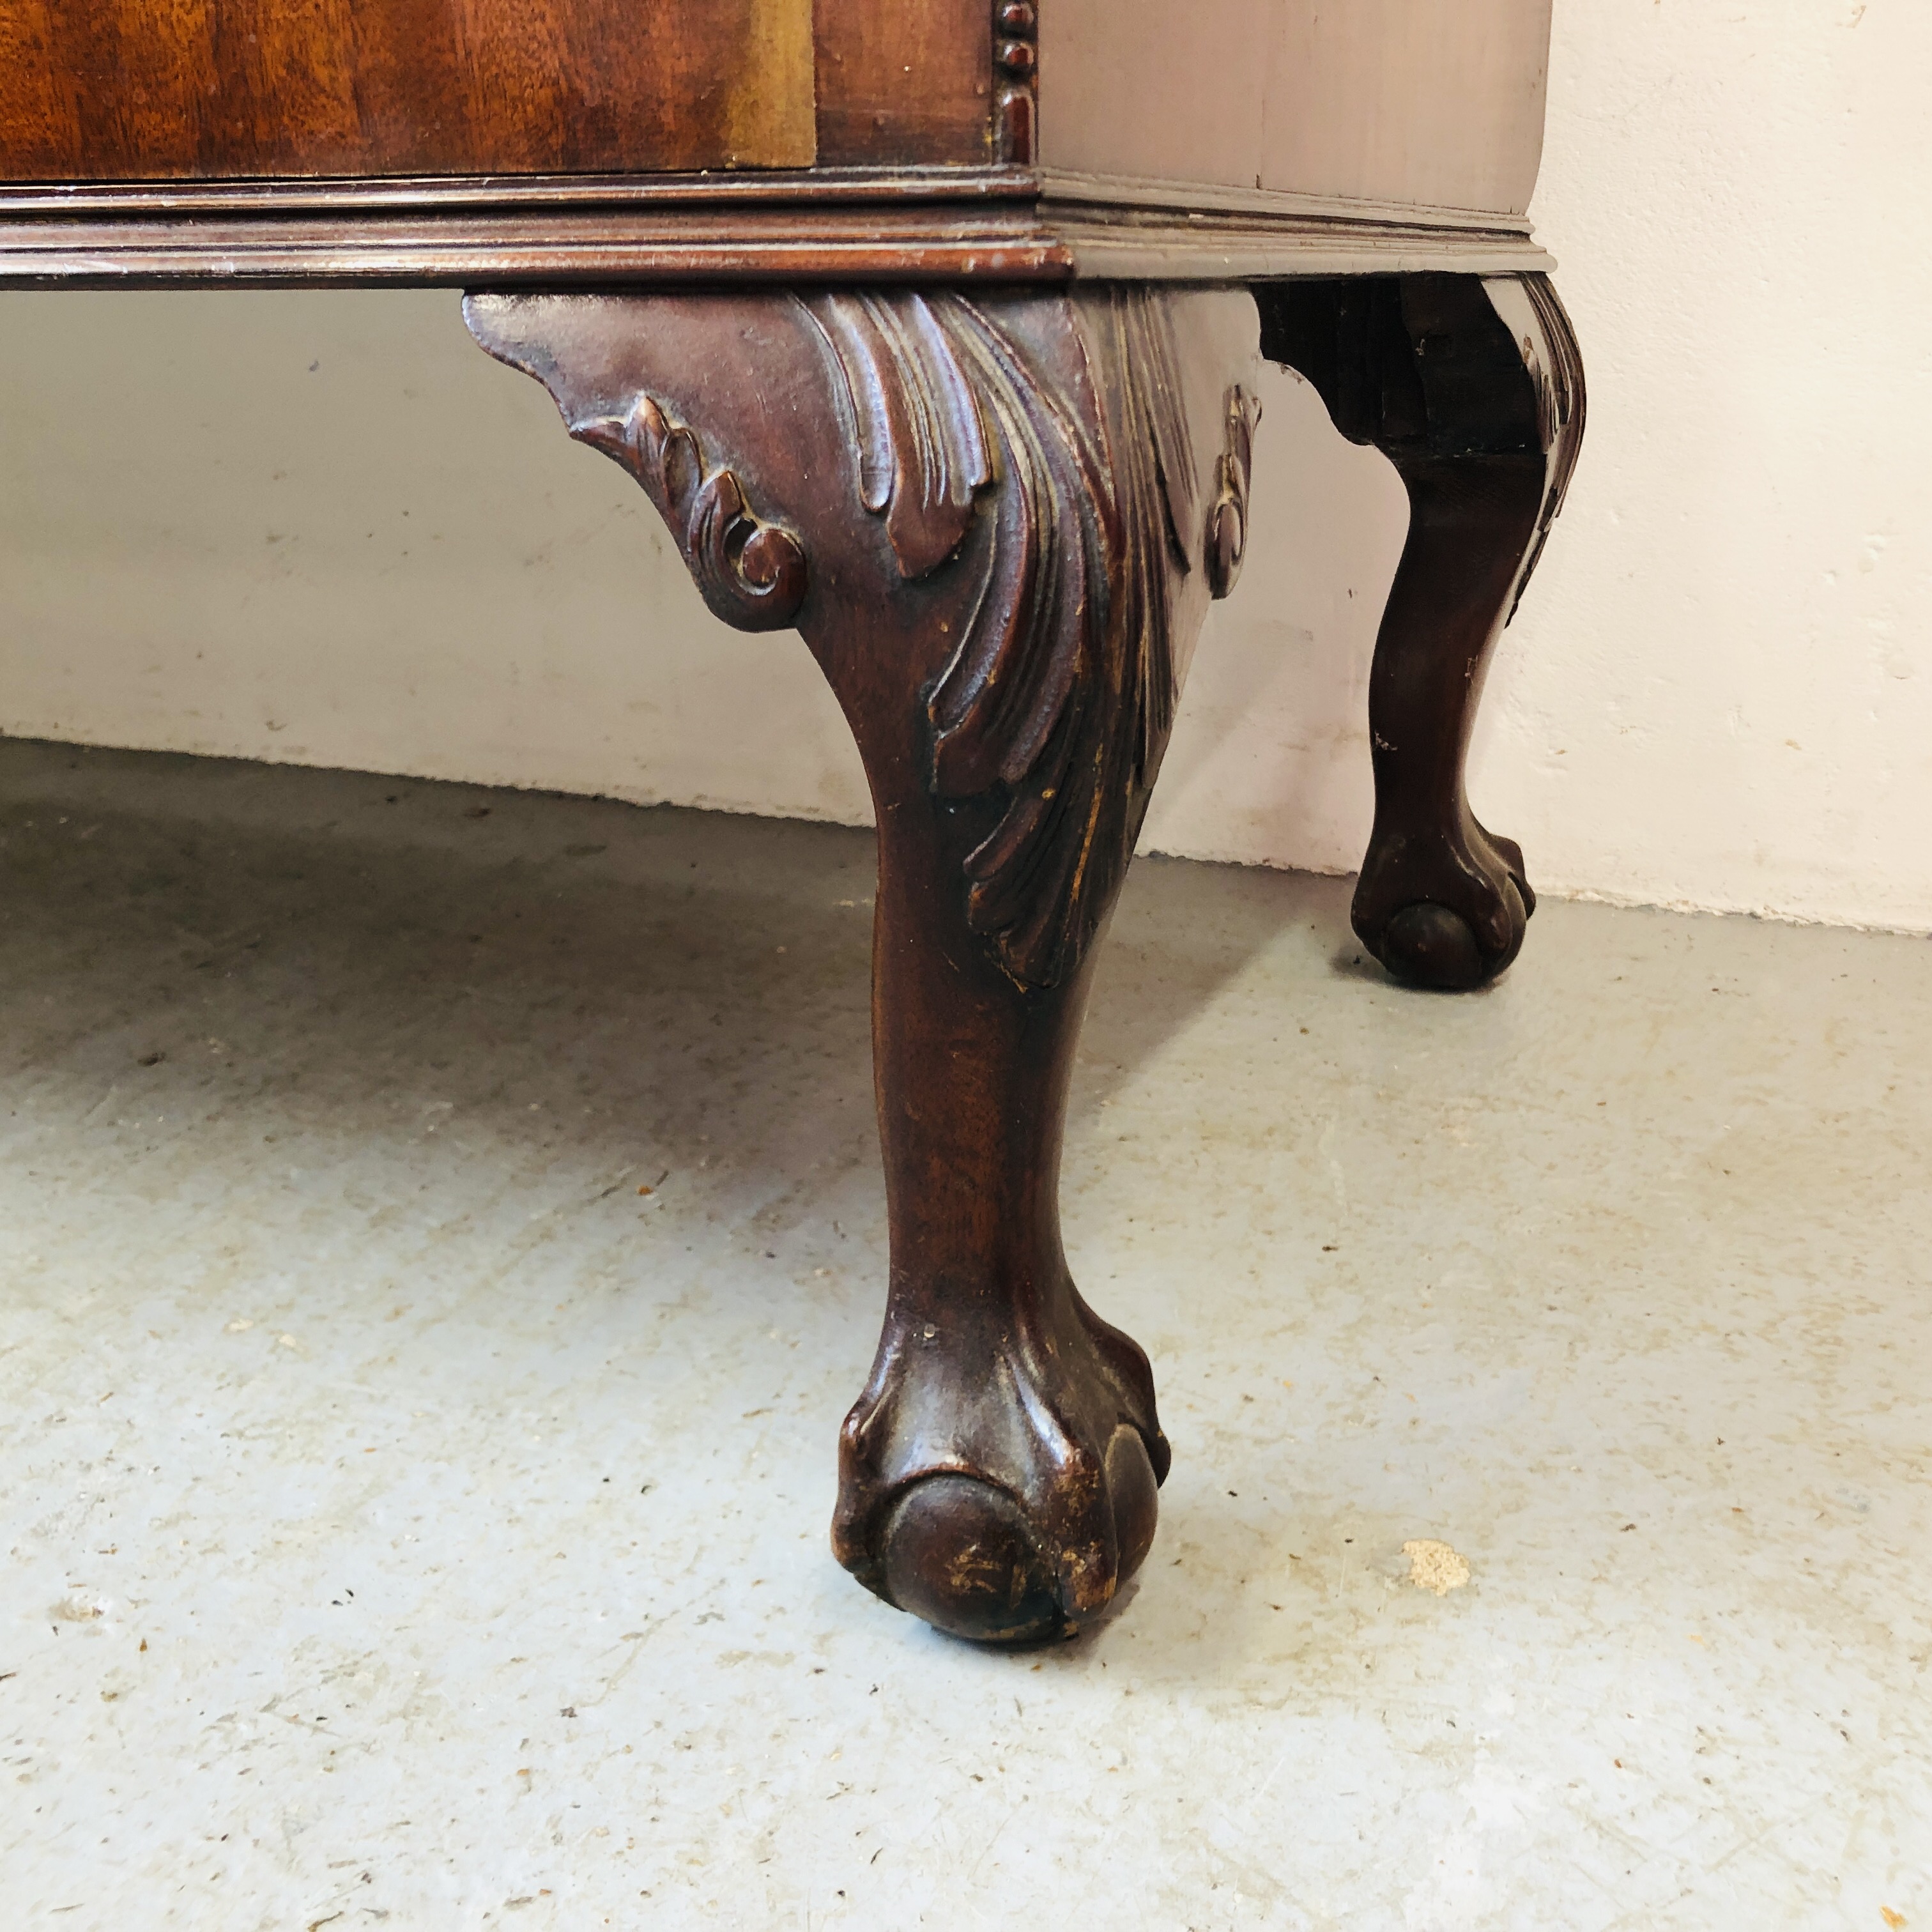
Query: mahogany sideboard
x=929 y=327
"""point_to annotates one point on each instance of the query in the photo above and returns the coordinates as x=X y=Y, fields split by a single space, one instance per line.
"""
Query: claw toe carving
x=1012 y=1508
x=1445 y=915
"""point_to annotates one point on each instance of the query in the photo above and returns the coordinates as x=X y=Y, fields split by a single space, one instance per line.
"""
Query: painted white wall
x=323 y=528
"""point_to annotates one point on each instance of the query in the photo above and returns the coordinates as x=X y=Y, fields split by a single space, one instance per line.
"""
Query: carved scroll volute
x=1227 y=518
x=752 y=573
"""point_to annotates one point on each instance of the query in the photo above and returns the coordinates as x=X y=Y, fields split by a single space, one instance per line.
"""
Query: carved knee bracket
x=981 y=436
x=996 y=522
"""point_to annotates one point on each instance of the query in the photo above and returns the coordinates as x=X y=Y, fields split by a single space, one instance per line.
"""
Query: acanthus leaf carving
x=1057 y=702
x=752 y=573
x=923 y=455
x=1029 y=462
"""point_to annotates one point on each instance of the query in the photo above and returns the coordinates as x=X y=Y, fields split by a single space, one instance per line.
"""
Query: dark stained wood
x=1304 y=101
x=996 y=514
x=1474 y=391
x=1016 y=82
x=871 y=225
x=93 y=90
x=905 y=81
x=991 y=518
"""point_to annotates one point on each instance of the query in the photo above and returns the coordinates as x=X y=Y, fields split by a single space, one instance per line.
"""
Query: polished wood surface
x=996 y=513
x=1474 y=390
x=879 y=225
x=997 y=522
x=905 y=81
x=94 y=90
x=586 y=142
x=1395 y=105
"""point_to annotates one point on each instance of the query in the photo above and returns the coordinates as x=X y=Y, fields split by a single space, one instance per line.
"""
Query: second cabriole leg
x=1474 y=389
x=996 y=521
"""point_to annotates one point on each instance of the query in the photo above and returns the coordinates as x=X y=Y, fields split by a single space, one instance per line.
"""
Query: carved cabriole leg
x=1474 y=389
x=996 y=521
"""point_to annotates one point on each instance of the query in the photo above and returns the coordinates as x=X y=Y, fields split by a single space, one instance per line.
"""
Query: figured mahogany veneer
x=156 y=90
x=104 y=90
x=906 y=82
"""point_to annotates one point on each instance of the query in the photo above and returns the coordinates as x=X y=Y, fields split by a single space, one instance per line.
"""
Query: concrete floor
x=411 y=1519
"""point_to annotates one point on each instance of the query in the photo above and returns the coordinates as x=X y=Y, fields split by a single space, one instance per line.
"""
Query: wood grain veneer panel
x=1424 y=102
x=907 y=81
x=103 y=90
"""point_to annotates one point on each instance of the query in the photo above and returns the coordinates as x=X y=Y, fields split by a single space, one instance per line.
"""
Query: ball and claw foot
x=1472 y=386
x=997 y=518
x=1005 y=1503
x=1440 y=918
